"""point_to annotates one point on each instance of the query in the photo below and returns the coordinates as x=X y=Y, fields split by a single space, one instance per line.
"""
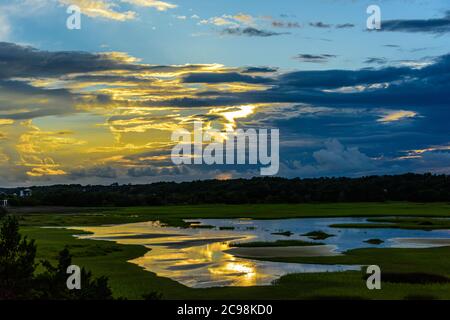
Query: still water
x=199 y=257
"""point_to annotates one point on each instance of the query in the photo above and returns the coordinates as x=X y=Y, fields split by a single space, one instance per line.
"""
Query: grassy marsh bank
x=130 y=281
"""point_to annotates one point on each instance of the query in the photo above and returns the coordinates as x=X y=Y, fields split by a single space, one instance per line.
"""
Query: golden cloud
x=159 y=5
x=100 y=9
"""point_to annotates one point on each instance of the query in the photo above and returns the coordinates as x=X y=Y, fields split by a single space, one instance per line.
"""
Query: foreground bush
x=18 y=279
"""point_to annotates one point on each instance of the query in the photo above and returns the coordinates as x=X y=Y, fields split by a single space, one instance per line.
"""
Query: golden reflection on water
x=245 y=273
x=172 y=255
x=196 y=257
x=203 y=265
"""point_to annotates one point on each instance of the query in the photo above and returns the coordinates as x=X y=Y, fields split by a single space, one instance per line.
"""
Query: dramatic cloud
x=333 y=158
x=224 y=78
x=99 y=117
x=437 y=26
x=21 y=101
x=336 y=156
x=24 y=61
x=394 y=87
x=126 y=110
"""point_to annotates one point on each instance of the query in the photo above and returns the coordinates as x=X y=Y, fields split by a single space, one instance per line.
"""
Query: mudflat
x=424 y=241
x=283 y=252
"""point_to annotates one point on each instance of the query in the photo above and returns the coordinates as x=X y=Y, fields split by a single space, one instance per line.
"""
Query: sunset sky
x=98 y=105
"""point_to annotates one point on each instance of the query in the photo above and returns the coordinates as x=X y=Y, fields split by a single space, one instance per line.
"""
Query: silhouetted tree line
x=406 y=187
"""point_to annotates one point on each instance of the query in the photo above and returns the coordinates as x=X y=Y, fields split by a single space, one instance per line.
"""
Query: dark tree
x=17 y=272
x=151 y=296
x=52 y=282
x=17 y=265
x=2 y=212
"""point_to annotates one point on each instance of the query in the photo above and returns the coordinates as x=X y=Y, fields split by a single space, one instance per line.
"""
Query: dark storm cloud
x=21 y=101
x=220 y=100
x=212 y=77
x=21 y=61
x=386 y=142
x=251 y=32
x=403 y=87
x=108 y=78
x=25 y=61
x=314 y=58
x=341 y=78
x=98 y=171
x=437 y=26
x=351 y=116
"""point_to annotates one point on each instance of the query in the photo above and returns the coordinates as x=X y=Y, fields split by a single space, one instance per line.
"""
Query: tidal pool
x=201 y=257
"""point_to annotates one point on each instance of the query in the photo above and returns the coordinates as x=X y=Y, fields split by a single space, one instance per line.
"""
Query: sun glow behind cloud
x=99 y=117
x=232 y=114
x=128 y=110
